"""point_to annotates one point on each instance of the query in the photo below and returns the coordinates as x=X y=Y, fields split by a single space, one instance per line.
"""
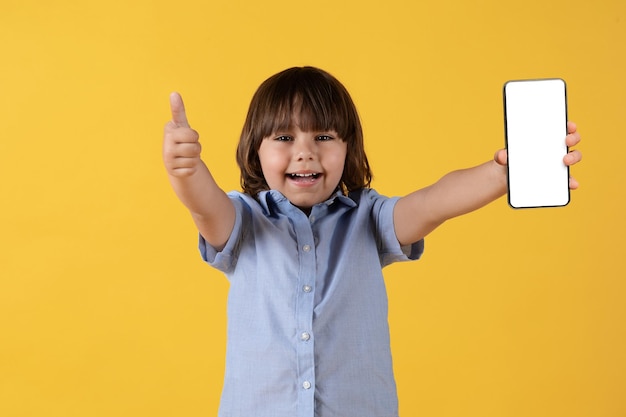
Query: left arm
x=456 y=193
x=461 y=192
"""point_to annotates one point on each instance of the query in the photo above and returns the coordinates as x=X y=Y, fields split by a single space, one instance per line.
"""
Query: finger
x=179 y=117
x=181 y=172
x=184 y=163
x=571 y=127
x=188 y=150
x=572 y=139
x=501 y=157
x=173 y=160
x=573 y=184
x=179 y=134
x=572 y=158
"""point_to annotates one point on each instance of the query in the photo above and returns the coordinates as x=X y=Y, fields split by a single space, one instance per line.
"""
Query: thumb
x=501 y=157
x=179 y=117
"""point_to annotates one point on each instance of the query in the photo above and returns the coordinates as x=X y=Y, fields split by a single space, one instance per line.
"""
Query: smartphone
x=535 y=119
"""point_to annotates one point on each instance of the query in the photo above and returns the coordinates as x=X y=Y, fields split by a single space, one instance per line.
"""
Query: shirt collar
x=273 y=200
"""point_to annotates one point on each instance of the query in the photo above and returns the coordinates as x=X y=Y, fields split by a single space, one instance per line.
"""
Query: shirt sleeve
x=225 y=259
x=390 y=249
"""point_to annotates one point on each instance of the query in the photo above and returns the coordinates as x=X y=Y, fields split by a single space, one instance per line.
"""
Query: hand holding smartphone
x=535 y=127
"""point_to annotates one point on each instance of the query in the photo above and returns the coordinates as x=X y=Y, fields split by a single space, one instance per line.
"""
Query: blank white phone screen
x=536 y=126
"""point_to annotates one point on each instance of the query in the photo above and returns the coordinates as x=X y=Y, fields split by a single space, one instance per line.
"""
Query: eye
x=324 y=138
x=283 y=138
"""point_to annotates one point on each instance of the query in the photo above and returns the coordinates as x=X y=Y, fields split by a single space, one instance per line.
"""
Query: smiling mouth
x=304 y=177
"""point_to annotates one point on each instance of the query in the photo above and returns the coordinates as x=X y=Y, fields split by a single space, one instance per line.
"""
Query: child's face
x=306 y=167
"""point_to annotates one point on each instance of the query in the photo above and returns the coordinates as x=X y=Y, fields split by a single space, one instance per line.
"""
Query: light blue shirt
x=307 y=307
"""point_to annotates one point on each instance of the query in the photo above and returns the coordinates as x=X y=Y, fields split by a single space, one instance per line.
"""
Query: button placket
x=304 y=338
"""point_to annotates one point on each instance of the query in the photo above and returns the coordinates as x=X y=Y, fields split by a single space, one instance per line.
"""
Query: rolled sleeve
x=225 y=259
x=392 y=251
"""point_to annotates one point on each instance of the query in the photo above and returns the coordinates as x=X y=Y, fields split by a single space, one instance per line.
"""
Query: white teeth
x=303 y=175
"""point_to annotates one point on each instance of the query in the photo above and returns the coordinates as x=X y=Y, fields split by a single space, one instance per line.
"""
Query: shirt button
x=306 y=385
x=306 y=248
x=305 y=336
x=307 y=288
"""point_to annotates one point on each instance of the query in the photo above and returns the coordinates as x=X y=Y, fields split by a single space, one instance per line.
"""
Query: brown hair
x=320 y=102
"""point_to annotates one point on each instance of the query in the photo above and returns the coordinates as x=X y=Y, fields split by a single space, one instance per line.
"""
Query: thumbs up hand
x=181 y=146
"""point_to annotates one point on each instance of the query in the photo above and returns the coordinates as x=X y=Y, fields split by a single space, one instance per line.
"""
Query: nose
x=304 y=150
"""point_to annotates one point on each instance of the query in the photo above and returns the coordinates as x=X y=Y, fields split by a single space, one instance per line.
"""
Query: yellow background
x=105 y=306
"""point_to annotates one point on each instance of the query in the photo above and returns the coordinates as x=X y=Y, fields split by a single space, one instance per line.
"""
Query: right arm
x=211 y=209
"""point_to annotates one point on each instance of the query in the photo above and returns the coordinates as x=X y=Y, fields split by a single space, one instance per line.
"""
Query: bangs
x=306 y=99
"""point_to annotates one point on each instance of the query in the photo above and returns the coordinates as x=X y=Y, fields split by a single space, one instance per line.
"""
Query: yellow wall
x=105 y=306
